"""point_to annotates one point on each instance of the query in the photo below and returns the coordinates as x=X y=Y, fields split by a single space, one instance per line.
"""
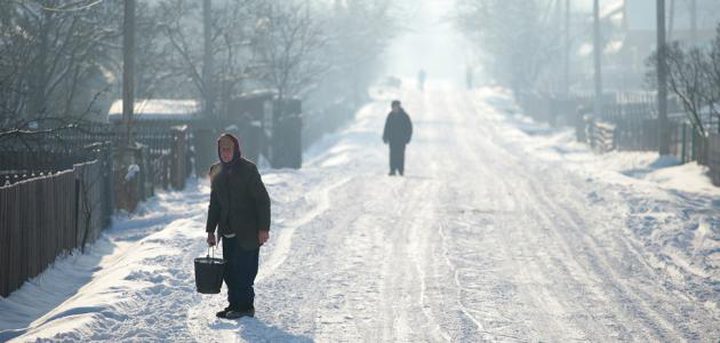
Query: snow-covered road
x=482 y=240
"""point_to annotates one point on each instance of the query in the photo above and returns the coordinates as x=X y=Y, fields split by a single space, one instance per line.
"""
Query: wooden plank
x=68 y=210
x=26 y=195
x=60 y=187
x=30 y=230
x=10 y=196
x=78 y=210
x=16 y=245
x=96 y=200
x=48 y=248
x=14 y=240
x=37 y=239
x=4 y=225
x=82 y=202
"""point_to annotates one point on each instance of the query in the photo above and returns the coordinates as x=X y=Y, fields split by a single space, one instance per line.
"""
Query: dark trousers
x=397 y=158
x=241 y=267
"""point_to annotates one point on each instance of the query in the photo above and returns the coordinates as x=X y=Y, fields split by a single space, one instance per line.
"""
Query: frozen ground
x=502 y=230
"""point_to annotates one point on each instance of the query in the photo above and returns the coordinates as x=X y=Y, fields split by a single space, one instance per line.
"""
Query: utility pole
x=39 y=73
x=566 y=53
x=208 y=82
x=693 y=21
x=664 y=138
x=128 y=67
x=597 y=55
x=671 y=21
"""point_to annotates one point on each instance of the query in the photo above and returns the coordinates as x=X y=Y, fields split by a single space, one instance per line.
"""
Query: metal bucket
x=209 y=274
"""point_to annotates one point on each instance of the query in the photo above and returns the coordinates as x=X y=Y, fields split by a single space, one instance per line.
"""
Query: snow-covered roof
x=258 y=93
x=157 y=109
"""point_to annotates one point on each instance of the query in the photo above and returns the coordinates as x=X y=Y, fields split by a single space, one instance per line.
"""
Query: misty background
x=562 y=179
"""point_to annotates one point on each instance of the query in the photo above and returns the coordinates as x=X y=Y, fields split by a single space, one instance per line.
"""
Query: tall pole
x=128 y=67
x=208 y=82
x=597 y=55
x=664 y=138
x=693 y=21
x=671 y=21
x=566 y=54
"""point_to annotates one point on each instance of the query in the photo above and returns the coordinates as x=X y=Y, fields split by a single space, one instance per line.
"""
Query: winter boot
x=223 y=313
x=234 y=314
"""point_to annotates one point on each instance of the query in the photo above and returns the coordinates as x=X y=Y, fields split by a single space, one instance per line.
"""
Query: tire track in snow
x=543 y=207
x=480 y=146
x=283 y=244
x=630 y=298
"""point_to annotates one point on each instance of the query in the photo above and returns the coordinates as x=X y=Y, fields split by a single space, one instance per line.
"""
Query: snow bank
x=672 y=209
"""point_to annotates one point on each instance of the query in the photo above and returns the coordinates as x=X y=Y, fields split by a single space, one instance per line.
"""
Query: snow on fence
x=53 y=201
x=629 y=122
x=165 y=162
x=47 y=216
x=600 y=134
x=167 y=149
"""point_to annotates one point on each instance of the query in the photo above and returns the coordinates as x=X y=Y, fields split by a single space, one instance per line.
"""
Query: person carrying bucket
x=240 y=211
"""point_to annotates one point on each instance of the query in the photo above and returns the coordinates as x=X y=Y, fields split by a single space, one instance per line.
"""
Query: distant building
x=629 y=30
x=165 y=111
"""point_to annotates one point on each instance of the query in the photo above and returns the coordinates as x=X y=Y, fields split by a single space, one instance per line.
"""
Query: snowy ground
x=502 y=230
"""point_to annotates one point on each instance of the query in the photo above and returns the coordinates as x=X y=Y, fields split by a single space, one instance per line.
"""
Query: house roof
x=158 y=109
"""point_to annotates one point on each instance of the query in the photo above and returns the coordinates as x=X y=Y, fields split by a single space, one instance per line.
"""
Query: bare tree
x=53 y=57
x=286 y=43
x=694 y=77
x=713 y=69
x=688 y=80
x=358 y=32
x=519 y=38
x=180 y=22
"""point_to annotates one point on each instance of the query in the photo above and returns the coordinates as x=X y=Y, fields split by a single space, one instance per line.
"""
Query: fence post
x=683 y=146
x=127 y=191
x=108 y=201
x=77 y=211
x=694 y=150
x=178 y=152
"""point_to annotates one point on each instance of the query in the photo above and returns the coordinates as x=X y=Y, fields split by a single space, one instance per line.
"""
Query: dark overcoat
x=239 y=202
x=398 y=128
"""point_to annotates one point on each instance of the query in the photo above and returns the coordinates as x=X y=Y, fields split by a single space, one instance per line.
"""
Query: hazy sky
x=429 y=42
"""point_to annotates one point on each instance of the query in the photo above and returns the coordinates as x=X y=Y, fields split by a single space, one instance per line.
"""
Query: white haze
x=429 y=42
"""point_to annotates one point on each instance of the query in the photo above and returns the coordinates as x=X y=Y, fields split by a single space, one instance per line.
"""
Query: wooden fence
x=47 y=216
x=629 y=122
x=52 y=201
x=713 y=157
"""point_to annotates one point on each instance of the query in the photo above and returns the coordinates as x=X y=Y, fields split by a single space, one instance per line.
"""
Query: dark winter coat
x=239 y=202
x=398 y=128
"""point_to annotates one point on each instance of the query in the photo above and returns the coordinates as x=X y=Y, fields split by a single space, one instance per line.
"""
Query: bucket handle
x=213 y=253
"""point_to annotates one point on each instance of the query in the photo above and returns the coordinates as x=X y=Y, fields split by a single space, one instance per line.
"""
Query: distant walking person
x=240 y=210
x=421 y=79
x=397 y=134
